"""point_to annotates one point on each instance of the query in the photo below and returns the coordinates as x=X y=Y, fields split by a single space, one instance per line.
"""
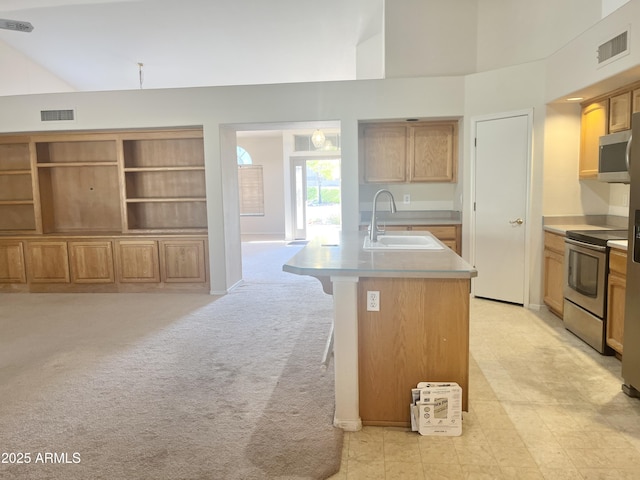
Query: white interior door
x=502 y=156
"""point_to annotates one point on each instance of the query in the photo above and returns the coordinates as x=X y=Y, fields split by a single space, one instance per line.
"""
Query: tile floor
x=543 y=405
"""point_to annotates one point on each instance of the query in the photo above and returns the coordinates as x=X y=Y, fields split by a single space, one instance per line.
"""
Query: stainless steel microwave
x=613 y=161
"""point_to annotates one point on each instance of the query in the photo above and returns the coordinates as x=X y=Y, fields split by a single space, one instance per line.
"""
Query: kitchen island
x=420 y=333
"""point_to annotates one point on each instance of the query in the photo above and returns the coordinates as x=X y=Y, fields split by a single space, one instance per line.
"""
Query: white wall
x=519 y=31
x=430 y=37
x=21 y=76
x=564 y=194
x=268 y=152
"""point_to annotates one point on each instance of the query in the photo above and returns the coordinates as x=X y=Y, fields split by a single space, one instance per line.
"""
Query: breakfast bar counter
x=419 y=331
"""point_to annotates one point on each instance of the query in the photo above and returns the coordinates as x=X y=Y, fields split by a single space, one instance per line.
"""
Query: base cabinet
x=421 y=333
x=138 y=261
x=182 y=261
x=91 y=262
x=104 y=264
x=48 y=262
x=12 y=267
x=553 y=283
x=617 y=288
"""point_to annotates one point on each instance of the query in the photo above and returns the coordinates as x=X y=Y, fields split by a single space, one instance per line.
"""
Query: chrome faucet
x=373 y=228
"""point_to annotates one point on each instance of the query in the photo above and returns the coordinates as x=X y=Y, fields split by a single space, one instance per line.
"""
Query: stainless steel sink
x=402 y=242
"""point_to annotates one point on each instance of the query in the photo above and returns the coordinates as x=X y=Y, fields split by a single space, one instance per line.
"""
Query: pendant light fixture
x=318 y=138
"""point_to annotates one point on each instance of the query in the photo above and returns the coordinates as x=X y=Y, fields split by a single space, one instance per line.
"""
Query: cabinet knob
x=517 y=221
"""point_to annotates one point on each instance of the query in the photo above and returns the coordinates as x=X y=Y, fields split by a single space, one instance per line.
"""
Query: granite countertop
x=344 y=255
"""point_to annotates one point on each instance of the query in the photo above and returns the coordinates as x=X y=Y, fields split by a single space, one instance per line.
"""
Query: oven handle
x=597 y=248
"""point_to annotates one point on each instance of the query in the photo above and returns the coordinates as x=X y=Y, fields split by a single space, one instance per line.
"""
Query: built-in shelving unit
x=103 y=211
x=165 y=184
x=17 y=211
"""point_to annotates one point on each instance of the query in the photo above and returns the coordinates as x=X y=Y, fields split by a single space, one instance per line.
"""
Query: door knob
x=517 y=221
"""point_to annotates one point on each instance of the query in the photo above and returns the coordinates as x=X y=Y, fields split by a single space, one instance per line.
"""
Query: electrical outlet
x=373 y=301
x=407 y=199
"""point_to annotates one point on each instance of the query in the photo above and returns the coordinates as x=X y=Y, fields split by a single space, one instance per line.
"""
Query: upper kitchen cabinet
x=594 y=123
x=401 y=153
x=385 y=153
x=620 y=112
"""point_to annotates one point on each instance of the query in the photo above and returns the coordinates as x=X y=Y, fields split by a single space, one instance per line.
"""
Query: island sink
x=402 y=242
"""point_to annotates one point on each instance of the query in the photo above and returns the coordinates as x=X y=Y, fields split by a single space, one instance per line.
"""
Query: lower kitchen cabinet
x=12 y=267
x=554 y=272
x=616 y=299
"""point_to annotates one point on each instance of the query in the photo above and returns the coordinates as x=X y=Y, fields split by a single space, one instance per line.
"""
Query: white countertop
x=344 y=255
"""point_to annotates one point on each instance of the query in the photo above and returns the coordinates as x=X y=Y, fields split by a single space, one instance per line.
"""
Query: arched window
x=243 y=157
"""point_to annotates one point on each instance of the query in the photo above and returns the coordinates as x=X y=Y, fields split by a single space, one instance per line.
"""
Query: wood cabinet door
x=635 y=101
x=433 y=153
x=593 y=125
x=137 y=261
x=91 y=262
x=554 y=281
x=385 y=153
x=615 y=311
x=12 y=268
x=620 y=112
x=48 y=262
x=182 y=261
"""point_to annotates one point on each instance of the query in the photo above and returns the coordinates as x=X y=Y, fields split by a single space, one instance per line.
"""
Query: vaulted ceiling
x=95 y=45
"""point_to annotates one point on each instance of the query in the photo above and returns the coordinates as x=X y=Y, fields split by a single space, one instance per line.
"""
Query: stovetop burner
x=597 y=237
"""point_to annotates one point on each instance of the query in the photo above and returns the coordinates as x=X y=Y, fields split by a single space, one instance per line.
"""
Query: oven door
x=585 y=276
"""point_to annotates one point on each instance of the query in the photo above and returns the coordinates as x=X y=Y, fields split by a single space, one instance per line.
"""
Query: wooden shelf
x=166 y=200
x=77 y=164
x=164 y=169
x=15 y=172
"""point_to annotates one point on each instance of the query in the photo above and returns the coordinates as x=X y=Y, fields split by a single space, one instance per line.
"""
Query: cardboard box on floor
x=436 y=409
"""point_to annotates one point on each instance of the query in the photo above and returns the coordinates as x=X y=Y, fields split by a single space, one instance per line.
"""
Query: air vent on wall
x=610 y=50
x=57 y=115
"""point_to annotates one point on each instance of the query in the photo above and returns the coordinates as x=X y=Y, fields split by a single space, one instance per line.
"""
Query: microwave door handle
x=628 y=152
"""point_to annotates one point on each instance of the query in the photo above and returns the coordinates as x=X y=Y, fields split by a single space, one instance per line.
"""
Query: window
x=251 y=190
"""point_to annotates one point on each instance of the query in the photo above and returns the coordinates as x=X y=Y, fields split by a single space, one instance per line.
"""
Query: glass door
x=300 y=198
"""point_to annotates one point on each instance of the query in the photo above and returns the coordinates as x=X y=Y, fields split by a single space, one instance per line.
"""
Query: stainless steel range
x=585 y=284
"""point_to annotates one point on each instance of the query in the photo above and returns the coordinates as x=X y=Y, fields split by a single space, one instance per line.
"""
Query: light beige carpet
x=153 y=386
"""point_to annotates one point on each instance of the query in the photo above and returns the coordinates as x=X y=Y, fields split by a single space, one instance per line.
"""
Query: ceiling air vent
x=614 y=48
x=57 y=115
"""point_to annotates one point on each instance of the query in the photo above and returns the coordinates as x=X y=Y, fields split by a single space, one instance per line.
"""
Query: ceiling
x=95 y=45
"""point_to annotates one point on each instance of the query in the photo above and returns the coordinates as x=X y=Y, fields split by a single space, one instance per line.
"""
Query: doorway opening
x=317 y=193
x=290 y=189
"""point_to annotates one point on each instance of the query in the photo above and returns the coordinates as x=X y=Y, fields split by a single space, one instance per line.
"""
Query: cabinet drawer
x=554 y=241
x=618 y=262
